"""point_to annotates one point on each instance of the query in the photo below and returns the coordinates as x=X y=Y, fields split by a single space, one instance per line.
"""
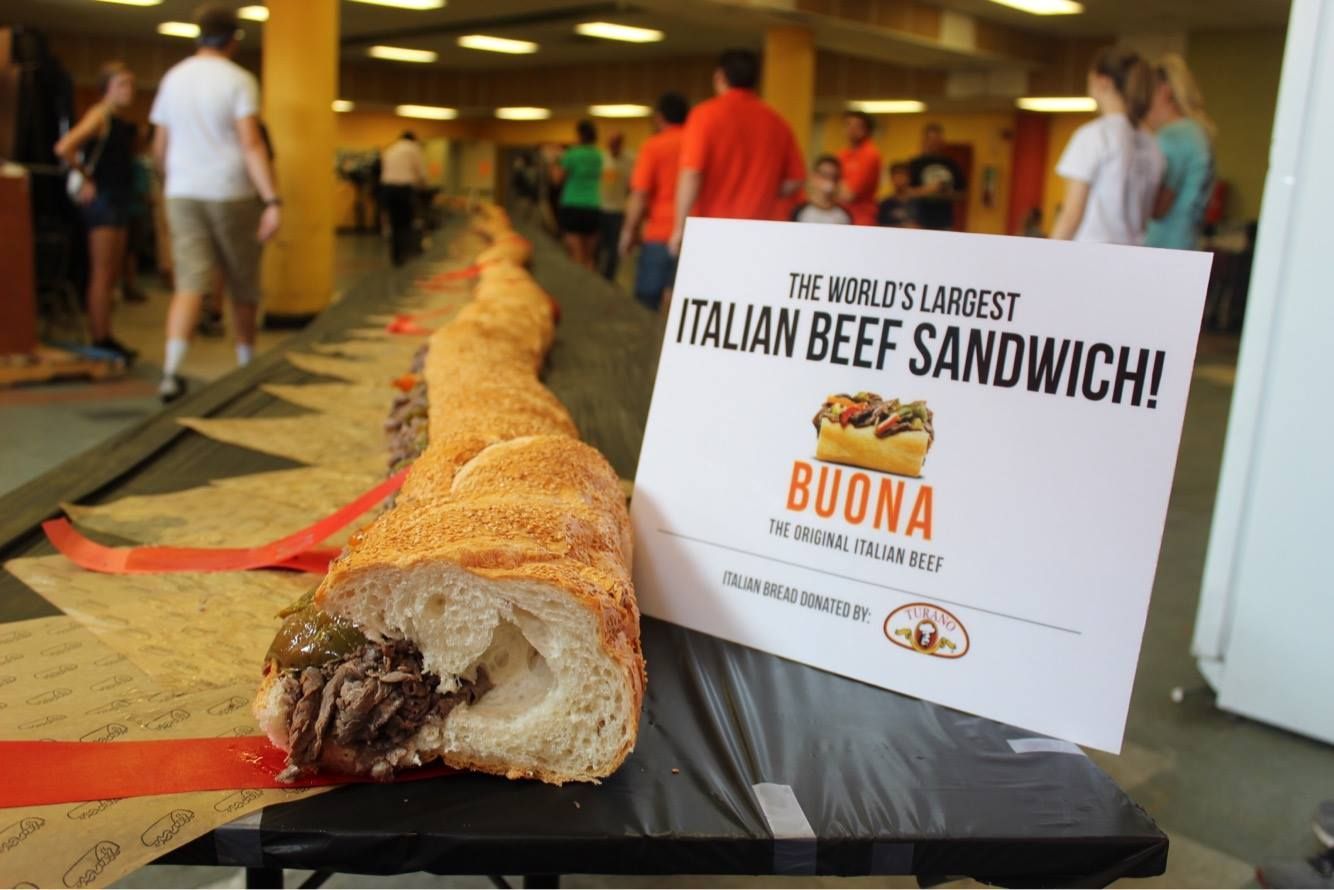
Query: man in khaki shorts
x=221 y=201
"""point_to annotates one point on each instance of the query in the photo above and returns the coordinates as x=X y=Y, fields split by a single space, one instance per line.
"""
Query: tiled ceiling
x=550 y=23
x=1102 y=18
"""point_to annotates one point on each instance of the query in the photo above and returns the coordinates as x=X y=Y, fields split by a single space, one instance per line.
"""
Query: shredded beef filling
x=888 y=416
x=419 y=358
x=406 y=427
x=364 y=707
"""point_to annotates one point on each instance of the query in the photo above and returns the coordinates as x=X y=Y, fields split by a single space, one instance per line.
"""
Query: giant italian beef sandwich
x=487 y=619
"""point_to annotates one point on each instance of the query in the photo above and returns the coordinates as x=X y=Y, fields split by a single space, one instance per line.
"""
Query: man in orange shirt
x=861 y=168
x=738 y=155
x=653 y=189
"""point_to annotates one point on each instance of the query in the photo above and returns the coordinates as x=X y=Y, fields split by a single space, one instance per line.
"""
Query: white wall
x=1267 y=604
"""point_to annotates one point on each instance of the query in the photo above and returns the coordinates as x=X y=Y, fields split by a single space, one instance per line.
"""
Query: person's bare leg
x=210 y=316
x=666 y=305
x=183 y=315
x=103 y=268
x=213 y=300
x=572 y=246
x=590 y=251
x=129 y=264
x=244 y=318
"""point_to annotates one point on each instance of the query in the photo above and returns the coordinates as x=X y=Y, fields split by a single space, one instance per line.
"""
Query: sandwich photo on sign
x=864 y=430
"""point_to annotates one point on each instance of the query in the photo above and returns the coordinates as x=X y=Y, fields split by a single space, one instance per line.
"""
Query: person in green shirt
x=579 y=173
x=1185 y=136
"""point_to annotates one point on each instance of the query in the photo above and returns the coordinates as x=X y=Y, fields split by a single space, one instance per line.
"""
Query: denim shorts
x=655 y=273
x=106 y=209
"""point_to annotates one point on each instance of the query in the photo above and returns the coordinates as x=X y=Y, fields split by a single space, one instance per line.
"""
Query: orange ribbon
x=452 y=278
x=297 y=551
x=404 y=323
x=50 y=772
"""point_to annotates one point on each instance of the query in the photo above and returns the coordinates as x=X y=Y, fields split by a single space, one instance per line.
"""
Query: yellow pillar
x=299 y=84
x=788 y=82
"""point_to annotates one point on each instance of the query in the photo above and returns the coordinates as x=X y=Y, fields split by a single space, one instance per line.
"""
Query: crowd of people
x=1140 y=173
x=220 y=201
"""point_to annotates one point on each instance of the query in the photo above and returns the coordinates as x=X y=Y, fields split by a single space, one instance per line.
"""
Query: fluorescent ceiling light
x=402 y=54
x=620 y=110
x=1044 y=7
x=497 y=44
x=523 y=113
x=888 y=106
x=610 y=31
x=254 y=13
x=179 y=29
x=343 y=105
x=1057 y=103
x=427 y=112
x=405 y=4
x=135 y=2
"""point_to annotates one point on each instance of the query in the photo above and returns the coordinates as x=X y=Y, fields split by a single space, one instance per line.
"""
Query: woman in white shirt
x=1112 y=168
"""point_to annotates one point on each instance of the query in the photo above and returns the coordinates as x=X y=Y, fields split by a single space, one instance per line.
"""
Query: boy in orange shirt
x=653 y=200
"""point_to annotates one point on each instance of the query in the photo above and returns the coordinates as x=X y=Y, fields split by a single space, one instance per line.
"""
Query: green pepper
x=309 y=636
x=303 y=602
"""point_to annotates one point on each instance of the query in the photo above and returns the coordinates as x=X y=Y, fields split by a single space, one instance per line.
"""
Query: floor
x=46 y=425
x=1229 y=792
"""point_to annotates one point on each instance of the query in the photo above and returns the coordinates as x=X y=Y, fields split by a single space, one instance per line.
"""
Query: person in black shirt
x=896 y=211
x=936 y=181
x=101 y=148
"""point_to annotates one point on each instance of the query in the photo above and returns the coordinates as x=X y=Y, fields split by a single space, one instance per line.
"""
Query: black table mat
x=888 y=784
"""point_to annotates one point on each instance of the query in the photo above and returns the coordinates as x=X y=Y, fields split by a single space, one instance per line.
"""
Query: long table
x=746 y=763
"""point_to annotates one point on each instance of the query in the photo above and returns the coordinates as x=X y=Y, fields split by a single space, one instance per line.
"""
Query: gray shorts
x=209 y=234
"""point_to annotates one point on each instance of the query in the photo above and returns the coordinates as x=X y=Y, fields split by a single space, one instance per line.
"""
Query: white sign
x=977 y=519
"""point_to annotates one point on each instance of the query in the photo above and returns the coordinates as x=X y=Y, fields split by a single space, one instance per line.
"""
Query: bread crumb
x=675 y=771
x=576 y=805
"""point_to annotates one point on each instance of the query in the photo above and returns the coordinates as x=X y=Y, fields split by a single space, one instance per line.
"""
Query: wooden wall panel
x=1067 y=72
x=848 y=77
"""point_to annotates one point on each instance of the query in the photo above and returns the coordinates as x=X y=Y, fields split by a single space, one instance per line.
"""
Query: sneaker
x=171 y=388
x=1316 y=873
x=210 y=325
x=111 y=344
x=1323 y=823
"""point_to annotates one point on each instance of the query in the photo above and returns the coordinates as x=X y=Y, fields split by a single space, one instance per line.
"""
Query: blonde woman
x=1185 y=136
x=101 y=147
x=1111 y=167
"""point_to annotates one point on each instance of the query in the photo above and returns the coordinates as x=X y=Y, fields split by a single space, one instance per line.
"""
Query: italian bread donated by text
x=513 y=583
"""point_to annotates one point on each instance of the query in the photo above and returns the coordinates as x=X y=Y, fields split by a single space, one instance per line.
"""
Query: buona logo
x=927 y=629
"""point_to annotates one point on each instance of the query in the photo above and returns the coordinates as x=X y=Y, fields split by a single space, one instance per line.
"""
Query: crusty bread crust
x=902 y=453
x=508 y=247
x=545 y=509
x=505 y=490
